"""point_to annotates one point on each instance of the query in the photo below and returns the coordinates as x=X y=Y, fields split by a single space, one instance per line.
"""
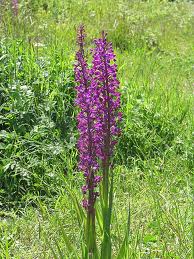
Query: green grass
x=154 y=43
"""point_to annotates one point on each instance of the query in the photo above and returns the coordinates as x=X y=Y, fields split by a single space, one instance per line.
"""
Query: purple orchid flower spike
x=99 y=102
x=86 y=123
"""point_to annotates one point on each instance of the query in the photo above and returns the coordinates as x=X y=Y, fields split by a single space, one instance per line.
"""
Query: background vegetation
x=38 y=157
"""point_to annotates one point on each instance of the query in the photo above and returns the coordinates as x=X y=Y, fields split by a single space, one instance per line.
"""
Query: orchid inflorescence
x=99 y=100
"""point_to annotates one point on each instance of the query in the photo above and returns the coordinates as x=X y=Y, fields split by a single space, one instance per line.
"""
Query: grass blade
x=123 y=250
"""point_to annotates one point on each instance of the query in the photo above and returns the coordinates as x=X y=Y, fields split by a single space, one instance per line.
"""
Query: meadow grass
x=153 y=41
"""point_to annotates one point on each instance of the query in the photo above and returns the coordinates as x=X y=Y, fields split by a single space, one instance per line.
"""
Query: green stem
x=91 y=235
x=106 y=244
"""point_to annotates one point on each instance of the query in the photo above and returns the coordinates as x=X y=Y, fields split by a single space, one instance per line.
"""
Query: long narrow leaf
x=52 y=250
x=99 y=218
x=61 y=255
x=110 y=199
x=124 y=247
x=80 y=213
x=68 y=244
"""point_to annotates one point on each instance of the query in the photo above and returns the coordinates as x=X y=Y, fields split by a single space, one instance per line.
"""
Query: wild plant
x=99 y=101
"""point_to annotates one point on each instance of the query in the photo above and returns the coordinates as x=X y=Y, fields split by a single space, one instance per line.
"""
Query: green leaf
x=149 y=238
x=99 y=218
x=123 y=252
x=53 y=251
x=61 y=255
x=69 y=246
x=80 y=213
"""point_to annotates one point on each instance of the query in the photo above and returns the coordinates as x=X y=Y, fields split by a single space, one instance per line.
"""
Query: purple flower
x=106 y=98
x=85 y=203
x=15 y=7
x=99 y=100
x=84 y=189
x=86 y=123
